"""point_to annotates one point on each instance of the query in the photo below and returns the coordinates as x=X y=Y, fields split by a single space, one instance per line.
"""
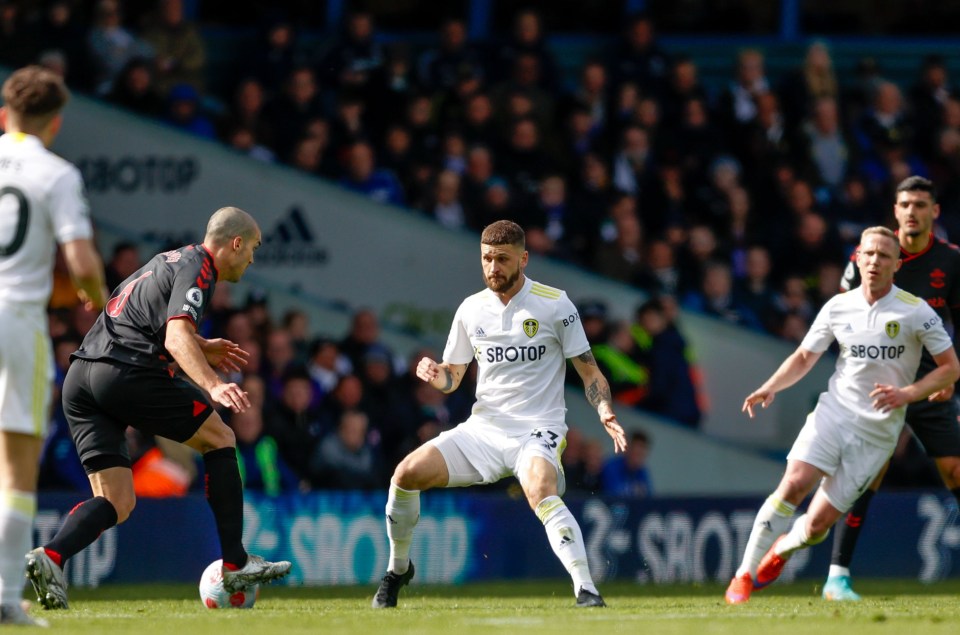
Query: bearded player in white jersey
x=41 y=204
x=521 y=333
x=853 y=430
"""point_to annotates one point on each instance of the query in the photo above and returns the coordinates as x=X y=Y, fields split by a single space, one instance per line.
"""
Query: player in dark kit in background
x=931 y=271
x=121 y=376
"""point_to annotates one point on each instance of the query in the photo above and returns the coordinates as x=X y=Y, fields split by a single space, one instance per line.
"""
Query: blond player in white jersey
x=41 y=204
x=521 y=333
x=853 y=430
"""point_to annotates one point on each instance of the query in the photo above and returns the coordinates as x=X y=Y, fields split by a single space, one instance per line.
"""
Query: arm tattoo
x=448 y=384
x=598 y=392
x=587 y=358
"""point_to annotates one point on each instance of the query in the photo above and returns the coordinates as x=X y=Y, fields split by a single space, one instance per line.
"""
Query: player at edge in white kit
x=41 y=204
x=853 y=430
x=520 y=332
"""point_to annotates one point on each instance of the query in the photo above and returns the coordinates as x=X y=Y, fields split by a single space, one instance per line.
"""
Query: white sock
x=566 y=540
x=17 y=511
x=403 y=512
x=771 y=521
x=798 y=538
x=836 y=570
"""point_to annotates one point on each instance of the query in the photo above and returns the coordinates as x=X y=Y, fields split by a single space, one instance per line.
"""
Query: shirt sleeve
x=930 y=330
x=69 y=209
x=191 y=292
x=820 y=335
x=458 y=350
x=573 y=339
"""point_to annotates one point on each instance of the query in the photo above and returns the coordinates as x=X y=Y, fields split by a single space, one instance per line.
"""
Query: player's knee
x=817 y=529
x=407 y=476
x=124 y=507
x=949 y=467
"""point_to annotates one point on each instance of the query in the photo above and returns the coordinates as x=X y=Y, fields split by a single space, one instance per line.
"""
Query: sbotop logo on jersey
x=495 y=354
x=863 y=351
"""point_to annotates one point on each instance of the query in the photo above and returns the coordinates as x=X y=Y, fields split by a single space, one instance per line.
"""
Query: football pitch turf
x=889 y=606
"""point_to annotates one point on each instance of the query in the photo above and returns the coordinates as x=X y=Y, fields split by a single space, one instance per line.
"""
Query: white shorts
x=829 y=443
x=478 y=451
x=26 y=370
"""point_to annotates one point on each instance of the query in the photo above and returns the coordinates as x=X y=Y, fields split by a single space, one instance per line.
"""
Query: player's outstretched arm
x=86 y=271
x=222 y=354
x=598 y=394
x=790 y=372
x=182 y=344
x=444 y=377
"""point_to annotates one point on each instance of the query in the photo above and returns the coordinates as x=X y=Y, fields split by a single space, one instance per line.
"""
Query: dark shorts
x=936 y=427
x=101 y=398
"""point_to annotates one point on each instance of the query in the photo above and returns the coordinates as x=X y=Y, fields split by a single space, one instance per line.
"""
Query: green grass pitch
x=890 y=607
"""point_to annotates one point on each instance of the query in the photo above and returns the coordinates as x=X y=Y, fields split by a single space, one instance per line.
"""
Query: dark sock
x=224 y=492
x=83 y=525
x=956 y=494
x=848 y=531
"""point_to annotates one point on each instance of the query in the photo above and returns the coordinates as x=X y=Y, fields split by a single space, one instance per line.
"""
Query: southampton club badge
x=530 y=327
x=892 y=329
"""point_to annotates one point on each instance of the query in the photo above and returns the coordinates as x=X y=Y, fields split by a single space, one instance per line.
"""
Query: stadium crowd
x=743 y=203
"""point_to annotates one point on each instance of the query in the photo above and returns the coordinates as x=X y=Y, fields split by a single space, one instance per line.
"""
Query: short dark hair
x=918 y=184
x=34 y=95
x=503 y=232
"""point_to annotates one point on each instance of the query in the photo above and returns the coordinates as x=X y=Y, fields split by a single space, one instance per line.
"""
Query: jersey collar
x=209 y=256
x=906 y=256
x=524 y=290
x=21 y=138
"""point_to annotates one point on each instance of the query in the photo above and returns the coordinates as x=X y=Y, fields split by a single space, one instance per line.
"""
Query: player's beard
x=502 y=285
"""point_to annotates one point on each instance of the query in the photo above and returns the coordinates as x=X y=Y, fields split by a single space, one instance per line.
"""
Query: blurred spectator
x=278 y=357
x=184 y=112
x=134 y=89
x=289 y=113
x=828 y=150
x=246 y=111
x=294 y=424
x=179 y=53
x=276 y=55
x=392 y=87
x=754 y=289
x=364 y=333
x=364 y=177
x=478 y=126
x=243 y=139
x=262 y=468
x=671 y=391
x=805 y=86
x=344 y=459
x=527 y=38
x=111 y=46
x=16 y=45
x=639 y=59
x=523 y=85
x=296 y=322
x=626 y=474
x=60 y=30
x=684 y=86
x=618 y=357
x=473 y=184
x=123 y=263
x=348 y=394
x=738 y=101
x=552 y=226
x=355 y=55
x=440 y=68
x=447 y=208
x=716 y=298
x=582 y=462
x=632 y=166
x=928 y=98
x=524 y=159
x=325 y=365
x=886 y=122
x=622 y=259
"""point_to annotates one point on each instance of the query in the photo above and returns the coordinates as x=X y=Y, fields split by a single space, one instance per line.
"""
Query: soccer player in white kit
x=521 y=333
x=854 y=427
x=41 y=204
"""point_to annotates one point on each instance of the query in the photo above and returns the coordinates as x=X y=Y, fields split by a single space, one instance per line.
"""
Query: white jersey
x=41 y=203
x=521 y=351
x=879 y=343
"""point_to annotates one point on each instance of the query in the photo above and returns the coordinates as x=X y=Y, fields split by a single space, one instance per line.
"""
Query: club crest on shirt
x=892 y=329
x=530 y=327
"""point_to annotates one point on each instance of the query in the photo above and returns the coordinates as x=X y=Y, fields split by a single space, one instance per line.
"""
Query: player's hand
x=762 y=397
x=224 y=355
x=231 y=396
x=428 y=370
x=886 y=397
x=613 y=428
x=942 y=395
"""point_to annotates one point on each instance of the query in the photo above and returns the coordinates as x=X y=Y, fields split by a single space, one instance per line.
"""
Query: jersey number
x=115 y=305
x=23 y=221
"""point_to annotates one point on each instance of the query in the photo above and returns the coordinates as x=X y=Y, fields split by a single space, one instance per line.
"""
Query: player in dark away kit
x=121 y=376
x=930 y=270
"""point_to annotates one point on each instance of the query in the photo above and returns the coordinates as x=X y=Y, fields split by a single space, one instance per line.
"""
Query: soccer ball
x=214 y=596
